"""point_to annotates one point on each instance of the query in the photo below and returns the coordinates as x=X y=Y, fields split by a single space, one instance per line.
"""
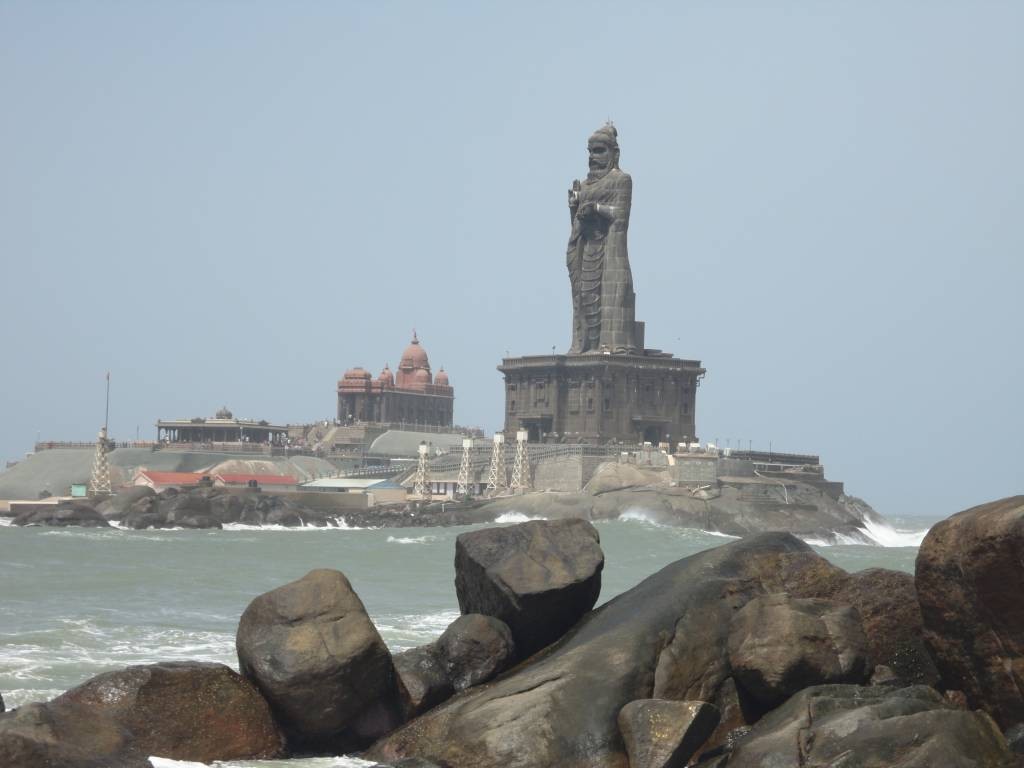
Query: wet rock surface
x=313 y=652
x=538 y=577
x=970 y=582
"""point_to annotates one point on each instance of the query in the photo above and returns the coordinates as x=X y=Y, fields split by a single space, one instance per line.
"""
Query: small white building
x=380 y=491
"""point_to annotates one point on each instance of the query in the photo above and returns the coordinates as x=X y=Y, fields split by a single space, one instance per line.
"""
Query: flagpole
x=106 y=414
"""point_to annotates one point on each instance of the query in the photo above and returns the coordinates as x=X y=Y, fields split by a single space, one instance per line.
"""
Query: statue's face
x=602 y=156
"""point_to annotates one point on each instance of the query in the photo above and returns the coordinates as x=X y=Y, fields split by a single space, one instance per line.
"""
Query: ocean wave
x=640 y=515
x=887 y=536
x=516 y=517
x=78 y=649
x=411 y=540
x=341 y=526
x=6 y=521
x=19 y=697
x=409 y=631
x=720 y=534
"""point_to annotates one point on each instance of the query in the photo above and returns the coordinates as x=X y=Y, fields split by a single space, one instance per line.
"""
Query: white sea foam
x=341 y=526
x=516 y=517
x=888 y=536
x=720 y=534
x=639 y=515
x=19 y=697
x=408 y=631
x=6 y=521
x=411 y=540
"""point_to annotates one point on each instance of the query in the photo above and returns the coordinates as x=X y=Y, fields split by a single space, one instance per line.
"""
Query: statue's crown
x=607 y=133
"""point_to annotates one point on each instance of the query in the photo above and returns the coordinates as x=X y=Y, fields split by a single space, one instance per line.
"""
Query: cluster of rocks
x=208 y=507
x=756 y=653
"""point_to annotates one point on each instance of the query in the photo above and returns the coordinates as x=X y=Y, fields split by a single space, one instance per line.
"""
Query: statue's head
x=603 y=149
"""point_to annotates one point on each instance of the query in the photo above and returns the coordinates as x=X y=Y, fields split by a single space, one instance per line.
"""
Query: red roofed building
x=412 y=396
x=158 y=481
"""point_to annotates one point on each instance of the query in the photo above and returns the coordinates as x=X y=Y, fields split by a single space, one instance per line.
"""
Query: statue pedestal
x=600 y=398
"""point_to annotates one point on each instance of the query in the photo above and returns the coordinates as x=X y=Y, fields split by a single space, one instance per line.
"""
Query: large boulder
x=474 y=648
x=970 y=580
x=538 y=577
x=312 y=650
x=471 y=651
x=891 y=617
x=665 y=734
x=183 y=711
x=61 y=515
x=779 y=645
x=424 y=679
x=560 y=707
x=847 y=725
x=121 y=503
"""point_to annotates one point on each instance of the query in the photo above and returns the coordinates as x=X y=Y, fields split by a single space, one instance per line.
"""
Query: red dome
x=422 y=376
x=356 y=373
x=442 y=378
x=414 y=355
x=386 y=377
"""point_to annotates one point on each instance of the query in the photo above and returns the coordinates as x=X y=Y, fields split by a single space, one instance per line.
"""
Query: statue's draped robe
x=602 y=284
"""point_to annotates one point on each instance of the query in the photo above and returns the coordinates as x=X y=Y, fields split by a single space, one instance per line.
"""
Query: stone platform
x=602 y=398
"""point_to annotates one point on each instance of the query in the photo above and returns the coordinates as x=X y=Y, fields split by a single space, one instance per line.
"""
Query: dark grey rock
x=424 y=678
x=183 y=711
x=2 y=709
x=779 y=645
x=969 y=583
x=471 y=651
x=122 y=502
x=61 y=515
x=665 y=734
x=868 y=727
x=538 y=577
x=321 y=664
x=474 y=649
x=141 y=520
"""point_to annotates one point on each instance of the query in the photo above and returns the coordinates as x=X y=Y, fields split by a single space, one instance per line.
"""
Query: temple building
x=412 y=396
x=222 y=428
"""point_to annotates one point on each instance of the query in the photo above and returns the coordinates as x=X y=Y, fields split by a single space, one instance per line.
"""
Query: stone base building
x=630 y=399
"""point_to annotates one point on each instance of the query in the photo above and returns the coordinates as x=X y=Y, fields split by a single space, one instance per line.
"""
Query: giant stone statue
x=610 y=387
x=603 y=302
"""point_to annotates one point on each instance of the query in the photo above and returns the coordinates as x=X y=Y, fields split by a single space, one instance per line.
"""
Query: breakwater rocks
x=756 y=653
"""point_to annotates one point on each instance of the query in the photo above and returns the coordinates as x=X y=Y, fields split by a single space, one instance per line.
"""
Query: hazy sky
x=233 y=202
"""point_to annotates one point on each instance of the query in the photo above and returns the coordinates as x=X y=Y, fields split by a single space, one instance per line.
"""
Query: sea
x=75 y=602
